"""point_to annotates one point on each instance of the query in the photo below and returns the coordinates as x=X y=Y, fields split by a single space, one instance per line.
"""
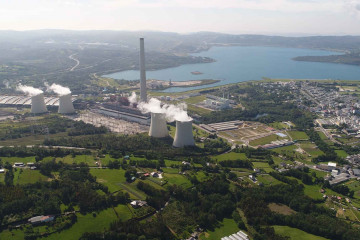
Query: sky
x=284 y=17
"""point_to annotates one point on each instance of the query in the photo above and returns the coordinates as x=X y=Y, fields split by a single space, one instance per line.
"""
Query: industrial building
x=125 y=114
x=25 y=101
x=158 y=127
x=222 y=126
x=240 y=235
x=184 y=134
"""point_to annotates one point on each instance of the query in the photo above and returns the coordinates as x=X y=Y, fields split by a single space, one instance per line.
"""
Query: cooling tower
x=65 y=104
x=158 y=126
x=183 y=135
x=143 y=96
x=38 y=104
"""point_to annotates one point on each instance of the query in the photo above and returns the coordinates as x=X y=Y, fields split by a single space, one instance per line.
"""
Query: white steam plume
x=58 y=89
x=6 y=83
x=31 y=91
x=133 y=98
x=172 y=112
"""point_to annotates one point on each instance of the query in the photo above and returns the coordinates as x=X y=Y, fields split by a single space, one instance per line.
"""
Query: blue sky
x=286 y=17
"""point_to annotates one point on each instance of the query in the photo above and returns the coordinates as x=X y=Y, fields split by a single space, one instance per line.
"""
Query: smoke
x=133 y=98
x=172 y=112
x=7 y=84
x=58 y=89
x=31 y=91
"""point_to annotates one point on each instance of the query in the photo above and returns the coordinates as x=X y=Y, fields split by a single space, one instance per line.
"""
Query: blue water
x=238 y=64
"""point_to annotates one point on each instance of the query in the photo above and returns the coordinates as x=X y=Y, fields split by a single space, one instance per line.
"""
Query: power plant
x=158 y=128
x=183 y=135
x=65 y=104
x=143 y=96
x=38 y=104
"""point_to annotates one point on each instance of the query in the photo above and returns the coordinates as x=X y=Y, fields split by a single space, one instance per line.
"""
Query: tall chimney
x=143 y=96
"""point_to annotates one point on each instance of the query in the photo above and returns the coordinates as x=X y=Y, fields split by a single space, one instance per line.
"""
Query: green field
x=12 y=160
x=88 y=223
x=85 y=223
x=263 y=165
x=341 y=153
x=311 y=149
x=295 y=234
x=226 y=228
x=267 y=180
x=266 y=140
x=109 y=177
x=298 y=135
x=25 y=176
x=175 y=178
x=230 y=156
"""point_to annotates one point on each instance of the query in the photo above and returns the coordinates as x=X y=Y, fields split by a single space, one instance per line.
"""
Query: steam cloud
x=31 y=91
x=6 y=83
x=133 y=98
x=172 y=112
x=58 y=89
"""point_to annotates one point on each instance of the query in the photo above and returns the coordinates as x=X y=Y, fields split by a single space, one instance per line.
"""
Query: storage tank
x=158 y=127
x=65 y=104
x=184 y=134
x=38 y=104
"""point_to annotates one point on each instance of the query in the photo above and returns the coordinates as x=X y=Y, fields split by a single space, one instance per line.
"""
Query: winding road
x=76 y=60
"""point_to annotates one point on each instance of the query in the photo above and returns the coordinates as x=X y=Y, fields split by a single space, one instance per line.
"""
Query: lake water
x=238 y=64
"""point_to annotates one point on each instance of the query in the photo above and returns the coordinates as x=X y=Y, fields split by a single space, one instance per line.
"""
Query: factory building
x=126 y=114
x=25 y=101
x=184 y=134
x=222 y=126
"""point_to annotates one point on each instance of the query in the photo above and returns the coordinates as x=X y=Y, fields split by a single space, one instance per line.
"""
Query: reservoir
x=238 y=64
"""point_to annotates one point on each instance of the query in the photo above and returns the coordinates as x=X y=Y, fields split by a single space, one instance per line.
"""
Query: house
x=138 y=203
x=30 y=164
x=356 y=172
x=127 y=157
x=19 y=164
x=41 y=219
x=252 y=177
x=2 y=170
x=146 y=174
x=154 y=174
x=185 y=163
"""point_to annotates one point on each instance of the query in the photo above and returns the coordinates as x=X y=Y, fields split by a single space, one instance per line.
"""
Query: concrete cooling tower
x=65 y=104
x=183 y=135
x=158 y=126
x=38 y=104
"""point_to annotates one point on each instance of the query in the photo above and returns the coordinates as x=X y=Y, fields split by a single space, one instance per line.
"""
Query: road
x=76 y=60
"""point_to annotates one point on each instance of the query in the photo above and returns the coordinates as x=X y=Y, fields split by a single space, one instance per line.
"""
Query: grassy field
x=263 y=165
x=226 y=228
x=109 y=177
x=295 y=234
x=341 y=153
x=266 y=140
x=85 y=223
x=281 y=208
x=322 y=136
x=230 y=156
x=197 y=99
x=311 y=149
x=290 y=148
x=175 y=178
x=12 y=160
x=25 y=176
x=298 y=135
x=88 y=223
x=267 y=180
